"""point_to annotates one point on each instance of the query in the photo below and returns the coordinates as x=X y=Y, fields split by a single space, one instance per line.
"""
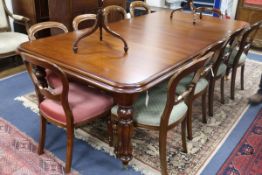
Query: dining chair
x=68 y=106
x=165 y=109
x=219 y=69
x=111 y=9
x=11 y=39
x=80 y=18
x=52 y=78
x=239 y=55
x=201 y=86
x=202 y=10
x=138 y=4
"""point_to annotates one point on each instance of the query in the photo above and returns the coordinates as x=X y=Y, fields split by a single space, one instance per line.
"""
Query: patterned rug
x=18 y=154
x=206 y=137
x=246 y=158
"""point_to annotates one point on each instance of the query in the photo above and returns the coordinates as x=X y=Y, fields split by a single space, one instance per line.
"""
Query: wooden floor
x=11 y=71
x=10 y=66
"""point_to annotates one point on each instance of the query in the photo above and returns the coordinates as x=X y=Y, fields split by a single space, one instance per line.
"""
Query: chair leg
x=189 y=120
x=115 y=135
x=242 y=76
x=69 y=149
x=183 y=134
x=42 y=135
x=204 y=111
x=222 y=87
x=110 y=130
x=162 y=151
x=211 y=97
x=233 y=81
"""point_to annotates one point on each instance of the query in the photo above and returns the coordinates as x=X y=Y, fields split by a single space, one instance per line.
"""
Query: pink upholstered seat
x=86 y=103
x=52 y=79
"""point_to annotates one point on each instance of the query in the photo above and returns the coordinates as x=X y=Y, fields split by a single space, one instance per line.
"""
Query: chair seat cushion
x=52 y=79
x=85 y=103
x=151 y=114
x=242 y=58
x=200 y=86
x=222 y=69
x=11 y=41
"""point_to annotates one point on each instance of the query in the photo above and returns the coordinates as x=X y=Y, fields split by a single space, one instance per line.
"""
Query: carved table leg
x=125 y=128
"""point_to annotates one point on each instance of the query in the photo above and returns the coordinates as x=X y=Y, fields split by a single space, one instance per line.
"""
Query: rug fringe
x=28 y=104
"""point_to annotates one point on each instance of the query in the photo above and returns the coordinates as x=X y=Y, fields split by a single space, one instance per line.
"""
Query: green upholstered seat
x=201 y=85
x=222 y=69
x=242 y=59
x=151 y=114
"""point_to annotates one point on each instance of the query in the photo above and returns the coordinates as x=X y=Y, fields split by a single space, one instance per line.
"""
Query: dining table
x=158 y=47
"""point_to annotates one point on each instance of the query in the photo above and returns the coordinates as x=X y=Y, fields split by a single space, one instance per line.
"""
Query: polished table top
x=157 y=46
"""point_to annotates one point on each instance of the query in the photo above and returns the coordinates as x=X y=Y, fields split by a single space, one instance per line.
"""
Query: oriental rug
x=18 y=154
x=206 y=137
x=246 y=158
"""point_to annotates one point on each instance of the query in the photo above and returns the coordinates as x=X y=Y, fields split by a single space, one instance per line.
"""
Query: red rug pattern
x=18 y=154
x=246 y=158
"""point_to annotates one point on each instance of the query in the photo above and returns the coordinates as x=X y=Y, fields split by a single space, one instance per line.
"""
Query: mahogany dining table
x=158 y=46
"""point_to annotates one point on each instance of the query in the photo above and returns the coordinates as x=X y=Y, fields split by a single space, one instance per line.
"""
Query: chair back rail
x=137 y=4
x=113 y=8
x=196 y=67
x=208 y=9
x=45 y=25
x=80 y=18
x=60 y=96
x=246 y=40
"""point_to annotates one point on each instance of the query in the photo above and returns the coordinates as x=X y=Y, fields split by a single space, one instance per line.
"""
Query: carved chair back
x=60 y=95
x=113 y=8
x=45 y=25
x=80 y=18
x=208 y=9
x=223 y=53
x=138 y=4
x=4 y=21
x=246 y=41
x=197 y=68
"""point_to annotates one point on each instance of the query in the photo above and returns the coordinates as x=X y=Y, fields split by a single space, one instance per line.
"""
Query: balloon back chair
x=52 y=79
x=81 y=18
x=11 y=39
x=69 y=106
x=219 y=69
x=138 y=4
x=201 y=86
x=238 y=56
x=202 y=10
x=114 y=9
x=166 y=109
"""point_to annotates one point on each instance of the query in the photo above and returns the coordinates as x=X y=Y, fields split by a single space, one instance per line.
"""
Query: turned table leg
x=125 y=128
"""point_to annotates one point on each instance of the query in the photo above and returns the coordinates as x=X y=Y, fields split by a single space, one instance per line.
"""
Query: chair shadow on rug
x=69 y=106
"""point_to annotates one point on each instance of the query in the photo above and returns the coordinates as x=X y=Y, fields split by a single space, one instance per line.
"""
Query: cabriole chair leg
x=183 y=134
x=189 y=120
x=222 y=87
x=69 y=149
x=211 y=97
x=242 y=76
x=42 y=135
x=162 y=151
x=233 y=81
x=204 y=112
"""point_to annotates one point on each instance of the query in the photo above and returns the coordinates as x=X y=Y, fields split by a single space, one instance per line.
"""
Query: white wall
x=156 y=3
x=9 y=6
